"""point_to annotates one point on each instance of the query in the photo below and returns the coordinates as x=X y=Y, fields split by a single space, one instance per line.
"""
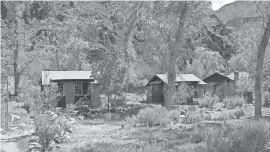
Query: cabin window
x=78 y=88
x=61 y=87
x=85 y=88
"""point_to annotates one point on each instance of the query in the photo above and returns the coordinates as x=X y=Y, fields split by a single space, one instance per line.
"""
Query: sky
x=216 y=4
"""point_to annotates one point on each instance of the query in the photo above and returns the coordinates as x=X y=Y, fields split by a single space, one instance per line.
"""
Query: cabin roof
x=216 y=73
x=179 y=78
x=48 y=76
x=230 y=76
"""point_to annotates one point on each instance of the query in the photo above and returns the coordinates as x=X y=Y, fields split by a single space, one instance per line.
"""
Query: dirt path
x=85 y=134
x=9 y=147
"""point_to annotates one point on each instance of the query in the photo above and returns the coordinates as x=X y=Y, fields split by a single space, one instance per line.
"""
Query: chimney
x=236 y=75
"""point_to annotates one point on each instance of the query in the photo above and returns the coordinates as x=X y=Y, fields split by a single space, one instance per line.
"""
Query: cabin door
x=69 y=92
x=157 y=94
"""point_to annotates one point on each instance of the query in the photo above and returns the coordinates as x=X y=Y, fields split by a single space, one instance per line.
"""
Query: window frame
x=78 y=88
x=61 y=89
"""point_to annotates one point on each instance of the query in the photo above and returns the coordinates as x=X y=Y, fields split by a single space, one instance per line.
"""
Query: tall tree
x=259 y=67
x=18 y=32
x=174 y=47
x=264 y=9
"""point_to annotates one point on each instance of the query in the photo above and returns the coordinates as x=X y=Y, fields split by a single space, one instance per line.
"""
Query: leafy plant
x=132 y=120
x=26 y=106
x=45 y=131
x=182 y=94
x=108 y=116
x=153 y=116
x=233 y=102
x=208 y=101
x=239 y=113
x=249 y=137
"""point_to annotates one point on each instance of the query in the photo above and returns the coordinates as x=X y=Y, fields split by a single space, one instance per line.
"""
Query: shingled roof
x=180 y=78
x=48 y=76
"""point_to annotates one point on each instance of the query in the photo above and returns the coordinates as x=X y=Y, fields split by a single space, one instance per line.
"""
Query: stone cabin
x=156 y=85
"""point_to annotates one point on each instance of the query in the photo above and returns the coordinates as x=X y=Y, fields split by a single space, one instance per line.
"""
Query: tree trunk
x=175 y=49
x=16 y=71
x=259 y=67
x=15 y=64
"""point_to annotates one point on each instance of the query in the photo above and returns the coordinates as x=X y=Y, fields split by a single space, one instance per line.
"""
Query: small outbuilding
x=225 y=85
x=156 y=85
x=73 y=85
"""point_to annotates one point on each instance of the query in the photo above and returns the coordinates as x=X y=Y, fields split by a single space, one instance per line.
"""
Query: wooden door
x=157 y=93
x=69 y=92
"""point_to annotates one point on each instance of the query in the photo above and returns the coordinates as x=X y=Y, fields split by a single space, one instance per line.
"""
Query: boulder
x=219 y=106
x=183 y=112
x=71 y=120
x=16 y=117
x=68 y=127
x=81 y=117
x=63 y=139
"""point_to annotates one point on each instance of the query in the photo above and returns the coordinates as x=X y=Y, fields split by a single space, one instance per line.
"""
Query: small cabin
x=156 y=86
x=225 y=85
x=220 y=85
x=72 y=85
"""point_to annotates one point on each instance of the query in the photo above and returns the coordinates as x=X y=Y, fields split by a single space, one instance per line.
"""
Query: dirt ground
x=99 y=133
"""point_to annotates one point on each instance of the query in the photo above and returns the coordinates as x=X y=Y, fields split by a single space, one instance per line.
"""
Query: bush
x=45 y=131
x=183 y=94
x=153 y=116
x=26 y=106
x=192 y=118
x=174 y=115
x=132 y=121
x=208 y=101
x=249 y=137
x=233 y=102
x=191 y=147
x=239 y=113
x=108 y=116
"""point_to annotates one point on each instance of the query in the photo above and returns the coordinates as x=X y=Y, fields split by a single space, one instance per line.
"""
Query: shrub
x=108 y=116
x=26 y=106
x=192 y=118
x=191 y=147
x=208 y=101
x=174 y=115
x=183 y=94
x=239 y=113
x=153 y=116
x=45 y=131
x=249 y=137
x=234 y=102
x=132 y=121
